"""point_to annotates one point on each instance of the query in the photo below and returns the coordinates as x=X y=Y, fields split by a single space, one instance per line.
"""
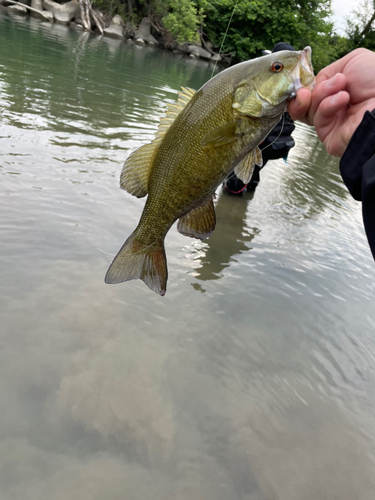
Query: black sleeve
x=357 y=167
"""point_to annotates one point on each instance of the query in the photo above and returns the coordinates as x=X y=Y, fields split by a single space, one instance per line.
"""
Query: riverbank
x=81 y=15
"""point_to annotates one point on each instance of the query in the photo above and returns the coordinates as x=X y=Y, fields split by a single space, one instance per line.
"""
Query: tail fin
x=138 y=261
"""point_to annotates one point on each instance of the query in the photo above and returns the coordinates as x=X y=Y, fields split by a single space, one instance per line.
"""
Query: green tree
x=260 y=24
x=253 y=25
x=360 y=27
x=181 y=18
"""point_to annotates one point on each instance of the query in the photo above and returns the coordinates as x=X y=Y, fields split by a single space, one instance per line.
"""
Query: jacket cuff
x=360 y=149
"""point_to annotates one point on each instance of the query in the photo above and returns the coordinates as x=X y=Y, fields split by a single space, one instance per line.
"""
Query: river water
x=253 y=378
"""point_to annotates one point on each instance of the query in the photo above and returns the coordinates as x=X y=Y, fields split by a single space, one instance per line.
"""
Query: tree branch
x=367 y=28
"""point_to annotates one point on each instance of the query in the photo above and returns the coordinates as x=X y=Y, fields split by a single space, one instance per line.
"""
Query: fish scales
x=201 y=140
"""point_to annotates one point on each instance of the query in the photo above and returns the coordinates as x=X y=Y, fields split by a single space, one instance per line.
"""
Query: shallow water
x=253 y=378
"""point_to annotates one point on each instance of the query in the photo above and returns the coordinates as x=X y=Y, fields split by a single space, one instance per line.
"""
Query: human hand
x=344 y=91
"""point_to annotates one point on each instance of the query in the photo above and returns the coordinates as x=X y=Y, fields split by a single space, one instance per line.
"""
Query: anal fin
x=199 y=222
x=244 y=170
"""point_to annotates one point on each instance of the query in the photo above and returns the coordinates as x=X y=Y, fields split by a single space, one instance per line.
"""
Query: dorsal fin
x=137 y=167
x=244 y=170
x=174 y=110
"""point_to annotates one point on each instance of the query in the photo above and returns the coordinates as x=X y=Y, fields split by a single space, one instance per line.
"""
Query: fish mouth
x=303 y=73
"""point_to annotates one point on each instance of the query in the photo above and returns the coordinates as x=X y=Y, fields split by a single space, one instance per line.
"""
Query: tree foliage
x=244 y=27
x=181 y=19
x=360 y=26
x=260 y=24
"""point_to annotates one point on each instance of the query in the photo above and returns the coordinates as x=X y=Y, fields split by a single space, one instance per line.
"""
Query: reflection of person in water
x=231 y=237
x=276 y=145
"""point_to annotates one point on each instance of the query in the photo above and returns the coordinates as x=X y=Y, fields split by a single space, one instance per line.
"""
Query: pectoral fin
x=244 y=170
x=199 y=222
x=221 y=135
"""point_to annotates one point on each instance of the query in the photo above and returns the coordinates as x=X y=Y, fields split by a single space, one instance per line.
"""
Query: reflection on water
x=230 y=238
x=261 y=388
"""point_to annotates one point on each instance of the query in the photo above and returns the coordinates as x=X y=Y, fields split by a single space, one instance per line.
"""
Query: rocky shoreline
x=82 y=15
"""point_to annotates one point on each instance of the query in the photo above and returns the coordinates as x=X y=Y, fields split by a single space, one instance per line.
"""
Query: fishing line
x=281 y=131
x=103 y=251
x=225 y=35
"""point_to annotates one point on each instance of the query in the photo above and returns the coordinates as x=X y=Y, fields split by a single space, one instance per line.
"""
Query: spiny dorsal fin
x=199 y=222
x=244 y=170
x=137 y=168
x=174 y=110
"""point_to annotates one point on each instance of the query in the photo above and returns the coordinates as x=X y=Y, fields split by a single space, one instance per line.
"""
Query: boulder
x=47 y=14
x=76 y=25
x=117 y=21
x=37 y=5
x=17 y=9
x=114 y=31
x=198 y=52
x=216 y=57
x=204 y=54
x=193 y=50
x=116 y=28
x=63 y=13
x=144 y=32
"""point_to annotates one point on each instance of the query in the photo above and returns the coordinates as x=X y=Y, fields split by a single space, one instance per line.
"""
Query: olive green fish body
x=203 y=138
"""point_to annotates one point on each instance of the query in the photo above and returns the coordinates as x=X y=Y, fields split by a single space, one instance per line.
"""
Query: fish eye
x=276 y=67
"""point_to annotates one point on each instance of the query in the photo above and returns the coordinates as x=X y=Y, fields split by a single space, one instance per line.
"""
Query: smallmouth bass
x=202 y=138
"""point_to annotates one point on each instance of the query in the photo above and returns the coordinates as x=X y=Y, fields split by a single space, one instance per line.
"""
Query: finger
x=331 y=105
x=336 y=141
x=324 y=89
x=299 y=106
x=328 y=118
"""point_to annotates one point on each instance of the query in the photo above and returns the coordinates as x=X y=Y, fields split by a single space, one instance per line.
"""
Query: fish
x=201 y=139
